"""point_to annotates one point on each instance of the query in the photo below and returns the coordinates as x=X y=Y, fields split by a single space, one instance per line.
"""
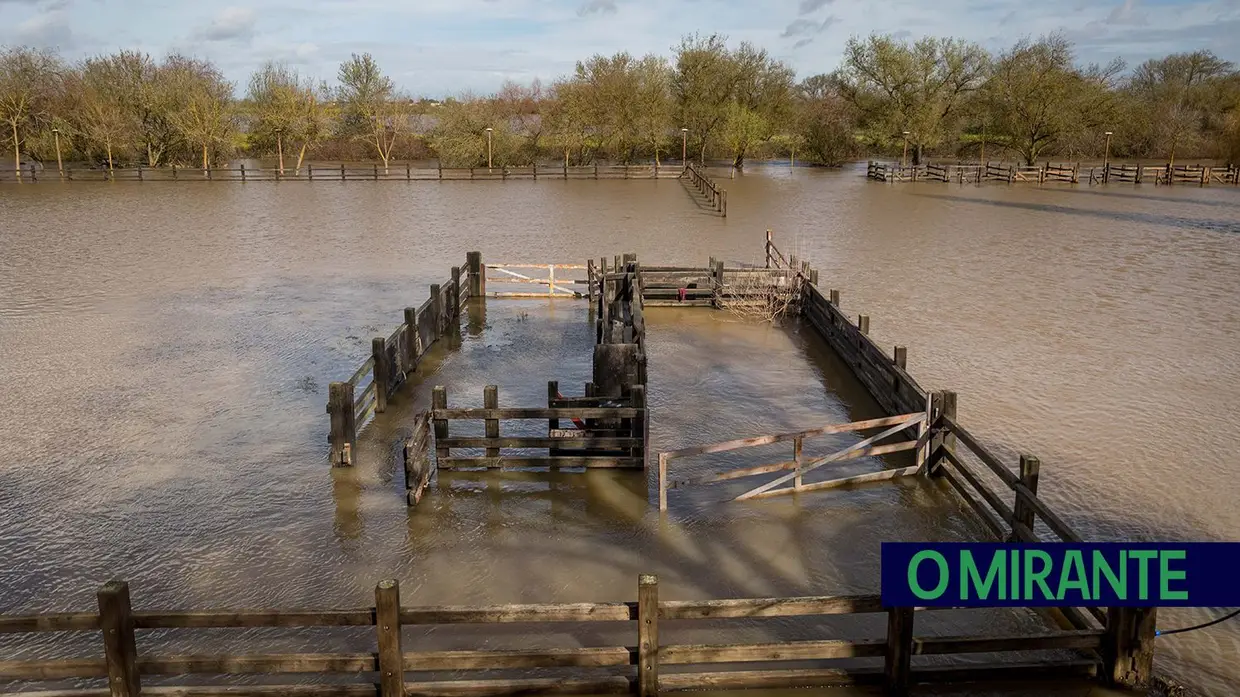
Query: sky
x=436 y=48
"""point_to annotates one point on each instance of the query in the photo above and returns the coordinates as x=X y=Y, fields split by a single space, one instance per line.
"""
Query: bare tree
x=761 y=297
x=26 y=76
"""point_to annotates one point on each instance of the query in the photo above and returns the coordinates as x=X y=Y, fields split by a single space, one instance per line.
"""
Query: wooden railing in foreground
x=708 y=188
x=320 y=172
x=641 y=667
x=396 y=356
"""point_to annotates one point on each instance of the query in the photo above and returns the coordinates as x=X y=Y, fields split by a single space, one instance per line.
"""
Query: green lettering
x=1074 y=564
x=1014 y=594
x=1166 y=575
x=1038 y=576
x=1143 y=572
x=1119 y=584
x=969 y=575
x=944 y=576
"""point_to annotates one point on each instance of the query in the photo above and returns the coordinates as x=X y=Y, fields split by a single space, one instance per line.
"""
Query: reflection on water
x=167 y=349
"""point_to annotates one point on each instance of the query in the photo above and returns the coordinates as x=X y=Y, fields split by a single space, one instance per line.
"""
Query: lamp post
x=904 y=161
x=489 y=129
x=684 y=147
x=60 y=167
x=1106 y=159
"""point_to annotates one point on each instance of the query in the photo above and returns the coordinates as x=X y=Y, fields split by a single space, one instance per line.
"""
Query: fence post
x=662 y=481
x=243 y=172
x=724 y=202
x=1023 y=512
x=407 y=172
x=456 y=294
x=439 y=400
x=900 y=356
x=640 y=429
x=343 y=432
x=411 y=339
x=863 y=324
x=119 y=645
x=796 y=457
x=382 y=372
x=768 y=249
x=376 y=170
x=897 y=663
x=553 y=393
x=590 y=282
x=341 y=171
x=436 y=313
x=490 y=400
x=387 y=629
x=1128 y=646
x=718 y=281
x=945 y=440
x=834 y=295
x=309 y=172
x=477 y=281
x=647 y=635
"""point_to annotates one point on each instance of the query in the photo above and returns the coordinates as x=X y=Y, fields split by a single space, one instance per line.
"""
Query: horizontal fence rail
x=1054 y=172
x=653 y=665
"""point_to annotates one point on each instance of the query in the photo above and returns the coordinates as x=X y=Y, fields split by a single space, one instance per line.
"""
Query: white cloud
x=231 y=24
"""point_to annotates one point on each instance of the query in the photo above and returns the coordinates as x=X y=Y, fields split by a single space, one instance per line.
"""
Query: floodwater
x=165 y=351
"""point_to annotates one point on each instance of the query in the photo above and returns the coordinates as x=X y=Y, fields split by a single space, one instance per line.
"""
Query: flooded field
x=167 y=350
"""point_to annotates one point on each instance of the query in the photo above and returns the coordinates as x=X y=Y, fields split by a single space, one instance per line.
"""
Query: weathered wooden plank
x=520 y=686
x=340 y=690
x=364 y=370
x=753 y=679
x=1009 y=478
x=1036 y=641
x=54 y=669
x=592 y=462
x=120 y=649
x=790 y=464
x=52 y=622
x=988 y=517
x=387 y=628
x=534 y=442
x=267 y=663
x=769 y=607
x=883 y=476
x=589 y=657
x=648 y=650
x=780 y=651
x=255 y=618
x=553 y=612
x=539 y=413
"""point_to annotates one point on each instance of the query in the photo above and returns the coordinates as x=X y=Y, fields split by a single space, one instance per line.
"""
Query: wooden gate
x=565 y=286
x=892 y=425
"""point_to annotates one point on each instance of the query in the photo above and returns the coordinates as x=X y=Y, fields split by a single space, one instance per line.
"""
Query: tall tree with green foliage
x=1179 y=92
x=917 y=87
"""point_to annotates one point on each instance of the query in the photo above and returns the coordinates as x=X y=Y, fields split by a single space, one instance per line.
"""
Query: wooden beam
x=387 y=626
x=648 y=635
x=120 y=648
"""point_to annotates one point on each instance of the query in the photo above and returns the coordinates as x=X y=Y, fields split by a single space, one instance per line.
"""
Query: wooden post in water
x=387 y=629
x=647 y=635
x=120 y=647
x=243 y=172
x=455 y=313
x=436 y=313
x=382 y=372
x=553 y=394
x=309 y=172
x=640 y=422
x=439 y=400
x=718 y=271
x=590 y=282
x=343 y=432
x=768 y=249
x=723 y=203
x=662 y=481
x=490 y=400
x=1128 y=646
x=376 y=171
x=797 y=458
x=411 y=340
x=1023 y=512
x=834 y=295
x=863 y=324
x=407 y=171
x=477 y=277
x=341 y=171
x=947 y=441
x=900 y=356
x=897 y=664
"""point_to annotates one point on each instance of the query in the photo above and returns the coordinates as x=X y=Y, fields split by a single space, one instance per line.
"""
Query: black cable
x=1224 y=618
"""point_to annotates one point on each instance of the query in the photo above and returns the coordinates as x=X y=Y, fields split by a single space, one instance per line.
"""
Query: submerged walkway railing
x=342 y=172
x=962 y=173
x=647 y=665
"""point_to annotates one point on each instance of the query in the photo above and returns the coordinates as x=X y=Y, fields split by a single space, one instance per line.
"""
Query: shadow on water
x=1213 y=225
x=1168 y=199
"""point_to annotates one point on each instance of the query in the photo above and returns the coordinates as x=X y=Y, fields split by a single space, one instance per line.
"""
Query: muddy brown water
x=165 y=351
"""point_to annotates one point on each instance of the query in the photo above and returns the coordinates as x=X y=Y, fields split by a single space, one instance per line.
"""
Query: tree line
x=934 y=97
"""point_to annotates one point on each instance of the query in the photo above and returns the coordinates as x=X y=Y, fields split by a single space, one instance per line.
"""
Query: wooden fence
x=717 y=197
x=396 y=356
x=604 y=432
x=1053 y=172
x=557 y=286
x=645 y=666
x=373 y=172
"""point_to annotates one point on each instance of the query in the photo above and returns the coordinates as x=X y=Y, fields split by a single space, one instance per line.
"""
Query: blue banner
x=964 y=574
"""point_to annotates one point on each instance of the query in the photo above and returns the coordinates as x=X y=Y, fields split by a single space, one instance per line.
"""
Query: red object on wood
x=682 y=294
x=581 y=425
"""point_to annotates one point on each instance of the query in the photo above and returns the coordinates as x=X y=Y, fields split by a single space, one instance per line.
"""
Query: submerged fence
x=1054 y=172
x=343 y=172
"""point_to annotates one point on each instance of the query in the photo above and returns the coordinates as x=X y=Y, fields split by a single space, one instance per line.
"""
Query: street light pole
x=1106 y=159
x=489 y=129
x=904 y=161
x=60 y=167
x=684 y=147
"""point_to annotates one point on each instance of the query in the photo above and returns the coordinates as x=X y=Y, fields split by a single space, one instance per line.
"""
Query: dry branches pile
x=756 y=296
